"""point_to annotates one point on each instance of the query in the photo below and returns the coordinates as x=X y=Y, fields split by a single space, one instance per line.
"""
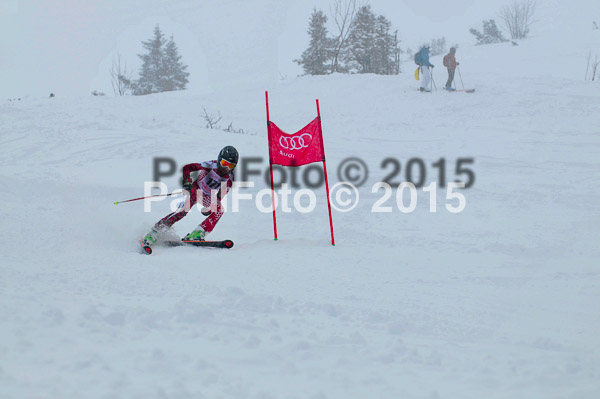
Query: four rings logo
x=295 y=143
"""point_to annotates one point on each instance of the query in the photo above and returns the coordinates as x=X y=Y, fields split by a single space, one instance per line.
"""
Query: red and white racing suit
x=208 y=185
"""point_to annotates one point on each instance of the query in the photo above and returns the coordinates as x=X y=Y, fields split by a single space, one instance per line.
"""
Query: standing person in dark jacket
x=450 y=63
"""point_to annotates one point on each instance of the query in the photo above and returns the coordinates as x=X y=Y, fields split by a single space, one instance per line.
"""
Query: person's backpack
x=446 y=60
x=418 y=58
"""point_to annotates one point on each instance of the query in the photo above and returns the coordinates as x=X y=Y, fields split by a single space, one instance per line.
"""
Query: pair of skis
x=227 y=244
x=464 y=90
x=452 y=90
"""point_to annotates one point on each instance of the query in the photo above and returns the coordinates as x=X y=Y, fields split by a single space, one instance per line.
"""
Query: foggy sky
x=66 y=46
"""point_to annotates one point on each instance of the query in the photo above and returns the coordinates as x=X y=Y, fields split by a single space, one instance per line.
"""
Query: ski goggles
x=227 y=164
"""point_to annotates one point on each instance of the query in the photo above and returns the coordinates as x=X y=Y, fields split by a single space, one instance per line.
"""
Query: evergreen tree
x=372 y=49
x=361 y=41
x=367 y=47
x=152 y=65
x=491 y=33
x=384 y=51
x=315 y=58
x=162 y=69
x=438 y=46
x=176 y=77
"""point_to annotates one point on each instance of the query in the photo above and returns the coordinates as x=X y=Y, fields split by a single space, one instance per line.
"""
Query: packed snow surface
x=501 y=300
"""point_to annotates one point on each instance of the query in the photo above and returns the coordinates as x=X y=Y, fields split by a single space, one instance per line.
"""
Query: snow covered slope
x=498 y=301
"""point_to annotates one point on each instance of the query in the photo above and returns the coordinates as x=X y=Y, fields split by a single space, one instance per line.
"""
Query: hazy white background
x=67 y=46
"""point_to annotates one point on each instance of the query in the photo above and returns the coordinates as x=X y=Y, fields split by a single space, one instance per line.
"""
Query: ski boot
x=150 y=238
x=196 y=235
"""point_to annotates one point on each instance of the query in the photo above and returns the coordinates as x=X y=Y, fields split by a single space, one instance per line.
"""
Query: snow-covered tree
x=438 y=46
x=372 y=49
x=363 y=44
x=491 y=33
x=384 y=50
x=361 y=40
x=176 y=77
x=162 y=69
x=315 y=59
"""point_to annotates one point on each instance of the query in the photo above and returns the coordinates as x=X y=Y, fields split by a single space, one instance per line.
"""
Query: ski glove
x=187 y=185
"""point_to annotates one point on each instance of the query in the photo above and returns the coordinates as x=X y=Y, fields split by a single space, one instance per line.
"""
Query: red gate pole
x=325 y=171
x=271 y=165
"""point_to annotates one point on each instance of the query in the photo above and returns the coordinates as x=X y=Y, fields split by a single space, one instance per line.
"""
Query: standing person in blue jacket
x=422 y=59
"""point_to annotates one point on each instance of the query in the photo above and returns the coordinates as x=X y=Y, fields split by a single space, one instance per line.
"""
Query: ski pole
x=432 y=81
x=141 y=198
x=461 y=81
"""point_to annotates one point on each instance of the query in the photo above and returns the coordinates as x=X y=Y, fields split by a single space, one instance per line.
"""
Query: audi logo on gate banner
x=296 y=142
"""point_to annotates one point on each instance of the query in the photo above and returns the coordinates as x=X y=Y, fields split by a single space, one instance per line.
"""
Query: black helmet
x=230 y=155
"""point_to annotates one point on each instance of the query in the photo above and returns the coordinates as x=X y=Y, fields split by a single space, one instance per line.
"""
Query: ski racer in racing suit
x=215 y=179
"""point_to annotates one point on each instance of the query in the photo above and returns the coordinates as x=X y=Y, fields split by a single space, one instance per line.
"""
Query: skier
x=422 y=59
x=450 y=63
x=213 y=177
